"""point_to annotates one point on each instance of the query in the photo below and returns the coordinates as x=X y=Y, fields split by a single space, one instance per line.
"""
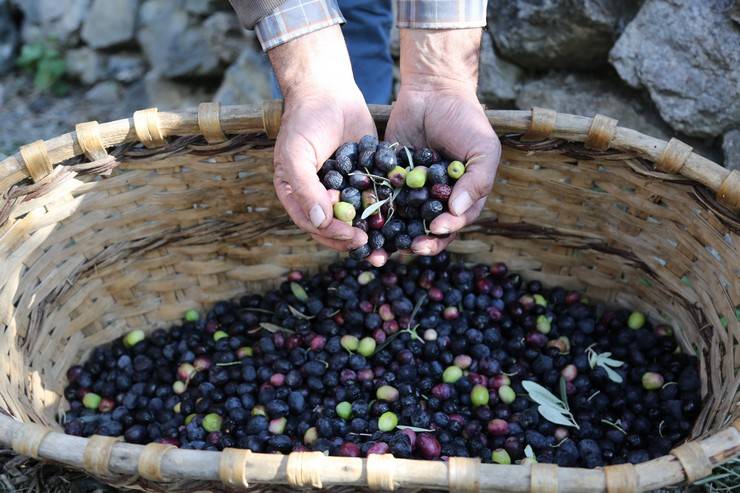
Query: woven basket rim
x=238 y=468
x=601 y=137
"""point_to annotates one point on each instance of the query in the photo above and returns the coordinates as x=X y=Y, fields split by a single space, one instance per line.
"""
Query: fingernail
x=317 y=216
x=441 y=230
x=461 y=204
x=425 y=250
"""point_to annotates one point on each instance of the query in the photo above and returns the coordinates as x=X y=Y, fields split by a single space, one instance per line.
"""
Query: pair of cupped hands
x=436 y=107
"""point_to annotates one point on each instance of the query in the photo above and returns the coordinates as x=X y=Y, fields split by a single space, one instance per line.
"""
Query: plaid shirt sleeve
x=295 y=18
x=441 y=14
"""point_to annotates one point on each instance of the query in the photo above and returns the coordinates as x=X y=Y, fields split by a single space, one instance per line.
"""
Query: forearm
x=318 y=60
x=279 y=21
x=433 y=59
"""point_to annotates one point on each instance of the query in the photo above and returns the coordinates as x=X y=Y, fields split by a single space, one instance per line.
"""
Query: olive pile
x=391 y=194
x=428 y=360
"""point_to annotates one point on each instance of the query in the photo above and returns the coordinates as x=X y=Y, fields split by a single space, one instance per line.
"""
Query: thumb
x=312 y=197
x=298 y=187
x=477 y=181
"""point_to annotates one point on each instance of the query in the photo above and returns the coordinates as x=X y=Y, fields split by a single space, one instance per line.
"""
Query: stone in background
x=498 y=80
x=586 y=95
x=173 y=43
x=86 y=65
x=8 y=37
x=686 y=53
x=166 y=93
x=57 y=19
x=110 y=23
x=126 y=67
x=247 y=80
x=546 y=34
x=226 y=37
x=731 y=149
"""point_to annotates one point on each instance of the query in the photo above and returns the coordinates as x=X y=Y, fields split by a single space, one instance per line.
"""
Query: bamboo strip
x=191 y=465
x=250 y=119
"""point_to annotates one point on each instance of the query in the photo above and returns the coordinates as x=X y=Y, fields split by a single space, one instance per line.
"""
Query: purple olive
x=349 y=449
x=442 y=391
x=498 y=427
x=428 y=446
x=74 y=372
x=536 y=339
x=411 y=434
x=378 y=448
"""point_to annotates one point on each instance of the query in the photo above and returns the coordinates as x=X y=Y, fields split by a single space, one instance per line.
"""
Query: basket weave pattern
x=99 y=236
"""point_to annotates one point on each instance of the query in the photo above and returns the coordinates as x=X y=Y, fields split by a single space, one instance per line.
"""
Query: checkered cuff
x=295 y=18
x=441 y=14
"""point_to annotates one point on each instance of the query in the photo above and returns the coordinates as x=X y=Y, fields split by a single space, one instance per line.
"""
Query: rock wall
x=664 y=67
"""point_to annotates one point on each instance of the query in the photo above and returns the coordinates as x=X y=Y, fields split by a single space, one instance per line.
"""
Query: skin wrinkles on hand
x=323 y=109
x=437 y=107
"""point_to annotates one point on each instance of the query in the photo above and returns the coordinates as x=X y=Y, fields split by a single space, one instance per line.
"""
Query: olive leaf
x=298 y=314
x=550 y=407
x=617 y=425
x=555 y=415
x=604 y=361
x=416 y=309
x=414 y=428
x=409 y=329
x=274 y=328
x=529 y=453
x=298 y=291
x=260 y=310
x=411 y=160
x=229 y=364
x=373 y=208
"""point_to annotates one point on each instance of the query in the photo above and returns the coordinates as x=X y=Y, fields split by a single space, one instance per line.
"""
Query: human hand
x=323 y=109
x=437 y=107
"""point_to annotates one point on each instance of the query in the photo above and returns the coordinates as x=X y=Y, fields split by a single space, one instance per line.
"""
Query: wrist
x=315 y=63
x=439 y=60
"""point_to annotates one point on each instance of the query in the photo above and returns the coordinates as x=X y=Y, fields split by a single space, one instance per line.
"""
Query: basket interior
x=191 y=224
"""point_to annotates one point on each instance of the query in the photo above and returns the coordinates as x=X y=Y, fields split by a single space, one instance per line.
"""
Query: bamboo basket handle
x=232 y=468
x=304 y=469
x=28 y=438
x=150 y=127
x=729 y=190
x=621 y=478
x=543 y=478
x=272 y=113
x=147 y=127
x=90 y=141
x=158 y=462
x=150 y=461
x=36 y=160
x=381 y=470
x=209 y=122
x=96 y=456
x=695 y=464
x=600 y=133
x=541 y=124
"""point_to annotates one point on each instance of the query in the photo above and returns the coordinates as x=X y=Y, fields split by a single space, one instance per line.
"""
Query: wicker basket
x=119 y=236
